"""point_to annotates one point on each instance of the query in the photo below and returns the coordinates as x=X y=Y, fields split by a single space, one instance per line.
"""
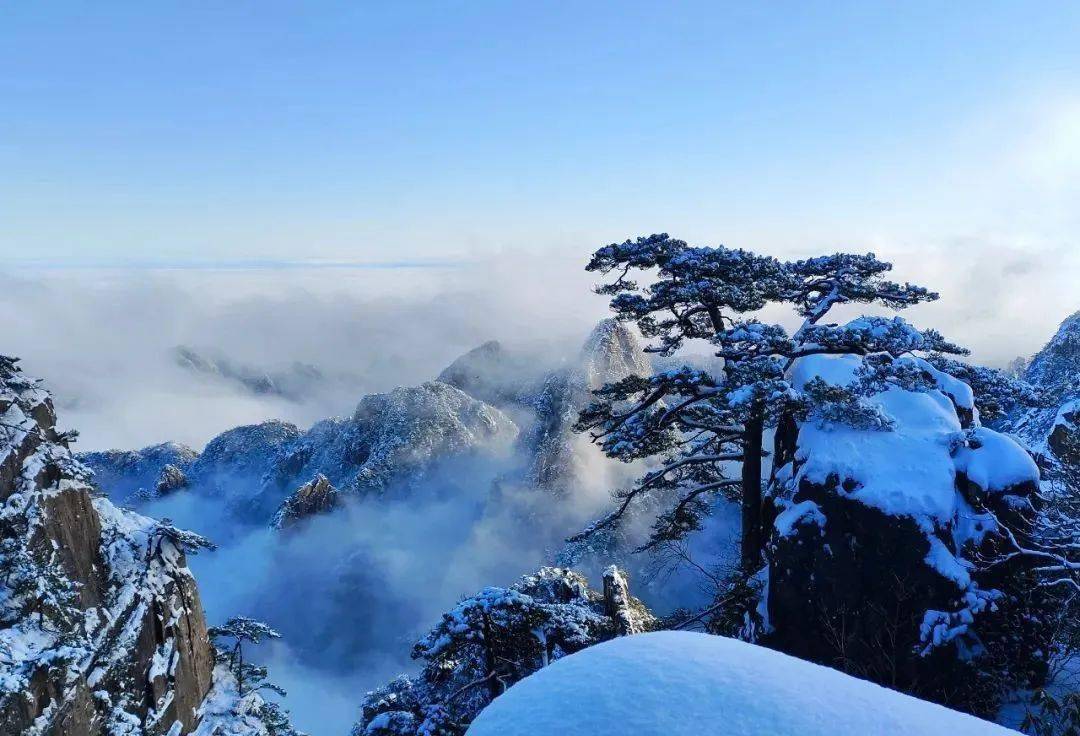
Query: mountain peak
x=612 y=352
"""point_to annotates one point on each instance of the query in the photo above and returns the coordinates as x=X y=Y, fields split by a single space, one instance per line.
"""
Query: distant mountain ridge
x=489 y=401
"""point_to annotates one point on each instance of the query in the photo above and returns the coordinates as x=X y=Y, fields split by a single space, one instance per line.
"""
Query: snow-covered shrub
x=489 y=641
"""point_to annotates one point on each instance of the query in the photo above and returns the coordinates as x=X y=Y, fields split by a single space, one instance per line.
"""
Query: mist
x=351 y=591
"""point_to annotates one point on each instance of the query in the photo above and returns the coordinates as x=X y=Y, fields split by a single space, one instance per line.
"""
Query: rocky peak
x=317 y=496
x=629 y=614
x=121 y=473
x=1055 y=373
x=612 y=352
x=171 y=479
x=491 y=373
x=101 y=627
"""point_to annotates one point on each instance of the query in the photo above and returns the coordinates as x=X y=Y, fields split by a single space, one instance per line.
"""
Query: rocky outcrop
x=101 y=627
x=879 y=543
x=629 y=615
x=310 y=499
x=558 y=454
x=493 y=639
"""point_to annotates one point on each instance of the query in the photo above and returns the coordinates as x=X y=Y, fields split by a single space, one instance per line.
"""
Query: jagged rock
x=314 y=497
x=558 y=454
x=171 y=479
x=101 y=627
x=629 y=614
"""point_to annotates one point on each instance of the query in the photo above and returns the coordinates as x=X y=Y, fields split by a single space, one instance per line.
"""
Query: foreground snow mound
x=685 y=684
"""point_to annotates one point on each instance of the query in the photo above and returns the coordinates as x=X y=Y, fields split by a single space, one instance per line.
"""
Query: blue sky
x=400 y=131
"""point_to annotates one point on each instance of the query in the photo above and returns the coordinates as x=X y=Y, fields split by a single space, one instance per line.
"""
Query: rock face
x=1055 y=373
x=101 y=627
x=872 y=558
x=611 y=353
x=315 y=497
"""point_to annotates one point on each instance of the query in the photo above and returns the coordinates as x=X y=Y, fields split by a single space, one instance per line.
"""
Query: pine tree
x=698 y=424
x=229 y=641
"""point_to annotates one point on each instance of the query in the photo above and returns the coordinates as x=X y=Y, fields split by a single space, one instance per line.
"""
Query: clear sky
x=389 y=131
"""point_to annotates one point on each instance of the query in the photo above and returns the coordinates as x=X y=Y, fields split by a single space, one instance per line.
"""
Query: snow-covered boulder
x=686 y=684
x=881 y=534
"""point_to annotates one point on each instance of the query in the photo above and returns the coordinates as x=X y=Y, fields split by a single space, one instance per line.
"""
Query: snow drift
x=684 y=684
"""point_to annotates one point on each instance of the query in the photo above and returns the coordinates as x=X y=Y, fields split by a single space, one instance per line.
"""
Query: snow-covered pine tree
x=698 y=424
x=490 y=640
x=249 y=678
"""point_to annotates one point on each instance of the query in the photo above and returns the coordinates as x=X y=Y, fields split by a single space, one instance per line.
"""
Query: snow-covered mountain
x=101 y=627
x=490 y=402
x=295 y=382
x=1055 y=373
x=392 y=439
x=548 y=404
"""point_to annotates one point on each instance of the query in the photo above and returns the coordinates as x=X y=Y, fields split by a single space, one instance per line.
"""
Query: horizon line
x=239 y=264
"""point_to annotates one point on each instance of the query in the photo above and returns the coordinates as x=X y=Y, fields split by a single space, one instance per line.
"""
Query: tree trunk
x=752 y=537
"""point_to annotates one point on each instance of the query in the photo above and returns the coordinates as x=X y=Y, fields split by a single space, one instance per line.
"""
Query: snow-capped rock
x=612 y=352
x=671 y=683
x=878 y=532
x=101 y=626
x=121 y=473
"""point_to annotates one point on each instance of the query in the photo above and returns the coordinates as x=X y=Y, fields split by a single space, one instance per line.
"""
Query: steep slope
x=1055 y=373
x=101 y=628
x=684 y=684
x=559 y=455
